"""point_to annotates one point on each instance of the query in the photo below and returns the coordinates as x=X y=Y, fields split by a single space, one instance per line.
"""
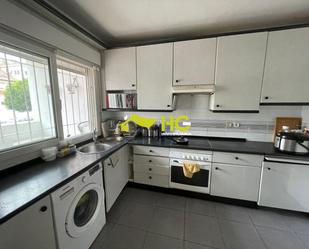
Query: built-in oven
x=200 y=181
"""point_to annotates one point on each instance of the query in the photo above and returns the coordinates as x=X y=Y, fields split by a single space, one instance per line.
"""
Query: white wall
x=19 y=19
x=253 y=126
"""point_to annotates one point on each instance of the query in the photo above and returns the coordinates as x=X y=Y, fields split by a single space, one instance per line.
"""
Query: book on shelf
x=121 y=101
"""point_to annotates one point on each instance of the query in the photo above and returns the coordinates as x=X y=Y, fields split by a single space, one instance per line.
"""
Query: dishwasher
x=285 y=183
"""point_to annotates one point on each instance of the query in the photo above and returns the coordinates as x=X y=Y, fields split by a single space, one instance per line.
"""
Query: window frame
x=96 y=84
x=30 y=151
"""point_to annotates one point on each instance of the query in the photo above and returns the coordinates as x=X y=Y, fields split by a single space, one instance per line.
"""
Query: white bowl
x=49 y=154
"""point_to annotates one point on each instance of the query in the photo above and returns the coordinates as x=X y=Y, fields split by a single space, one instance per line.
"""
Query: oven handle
x=179 y=163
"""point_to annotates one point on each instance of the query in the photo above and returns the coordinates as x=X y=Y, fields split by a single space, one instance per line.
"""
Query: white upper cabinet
x=286 y=77
x=154 y=77
x=120 y=69
x=239 y=72
x=194 y=62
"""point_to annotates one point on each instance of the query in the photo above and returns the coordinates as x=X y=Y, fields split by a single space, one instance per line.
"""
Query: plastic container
x=49 y=154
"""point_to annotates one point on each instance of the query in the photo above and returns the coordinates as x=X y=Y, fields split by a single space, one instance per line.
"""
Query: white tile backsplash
x=253 y=126
x=305 y=114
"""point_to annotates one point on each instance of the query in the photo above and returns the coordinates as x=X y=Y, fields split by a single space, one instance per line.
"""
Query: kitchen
x=188 y=130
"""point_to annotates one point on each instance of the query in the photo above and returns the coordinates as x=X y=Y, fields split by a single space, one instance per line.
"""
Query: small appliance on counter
x=153 y=131
x=108 y=127
x=292 y=141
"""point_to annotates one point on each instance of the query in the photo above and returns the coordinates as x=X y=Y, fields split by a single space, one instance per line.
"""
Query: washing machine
x=79 y=210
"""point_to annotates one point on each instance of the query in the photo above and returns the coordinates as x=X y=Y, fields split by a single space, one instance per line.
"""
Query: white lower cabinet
x=116 y=175
x=285 y=186
x=30 y=229
x=150 y=168
x=235 y=181
x=151 y=179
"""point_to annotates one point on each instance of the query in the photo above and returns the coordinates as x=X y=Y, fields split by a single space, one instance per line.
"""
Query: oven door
x=200 y=181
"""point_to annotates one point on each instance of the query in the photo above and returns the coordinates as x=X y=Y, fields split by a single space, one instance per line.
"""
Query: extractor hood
x=206 y=89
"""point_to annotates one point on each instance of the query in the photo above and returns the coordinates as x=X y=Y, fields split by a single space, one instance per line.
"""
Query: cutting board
x=291 y=122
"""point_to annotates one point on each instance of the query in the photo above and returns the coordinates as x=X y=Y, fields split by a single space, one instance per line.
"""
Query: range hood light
x=206 y=89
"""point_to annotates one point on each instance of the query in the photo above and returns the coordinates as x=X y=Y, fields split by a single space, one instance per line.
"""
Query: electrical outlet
x=236 y=125
x=228 y=124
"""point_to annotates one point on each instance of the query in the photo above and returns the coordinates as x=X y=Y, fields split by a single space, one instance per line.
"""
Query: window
x=26 y=108
x=77 y=94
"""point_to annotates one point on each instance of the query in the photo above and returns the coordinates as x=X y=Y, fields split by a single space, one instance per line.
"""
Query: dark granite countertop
x=22 y=188
x=219 y=144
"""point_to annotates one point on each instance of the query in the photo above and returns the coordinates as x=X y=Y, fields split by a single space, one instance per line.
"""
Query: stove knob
x=197 y=158
x=202 y=158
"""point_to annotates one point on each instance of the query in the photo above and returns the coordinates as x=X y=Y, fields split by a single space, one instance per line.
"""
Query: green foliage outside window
x=17 y=96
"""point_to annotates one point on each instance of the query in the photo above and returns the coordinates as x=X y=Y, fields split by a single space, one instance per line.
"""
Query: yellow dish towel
x=190 y=168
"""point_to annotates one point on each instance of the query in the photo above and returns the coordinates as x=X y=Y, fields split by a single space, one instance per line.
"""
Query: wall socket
x=230 y=124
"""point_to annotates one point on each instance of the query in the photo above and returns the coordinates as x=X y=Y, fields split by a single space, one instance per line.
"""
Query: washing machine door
x=84 y=210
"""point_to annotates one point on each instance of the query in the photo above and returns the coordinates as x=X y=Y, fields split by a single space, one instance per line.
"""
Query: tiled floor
x=142 y=219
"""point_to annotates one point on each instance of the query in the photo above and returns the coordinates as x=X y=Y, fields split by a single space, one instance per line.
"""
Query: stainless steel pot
x=291 y=142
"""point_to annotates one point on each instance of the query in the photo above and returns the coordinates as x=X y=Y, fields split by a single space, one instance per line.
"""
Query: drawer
x=151 y=160
x=238 y=159
x=151 y=179
x=151 y=169
x=152 y=151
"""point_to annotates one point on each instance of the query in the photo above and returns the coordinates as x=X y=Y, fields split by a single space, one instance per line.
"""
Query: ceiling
x=124 y=22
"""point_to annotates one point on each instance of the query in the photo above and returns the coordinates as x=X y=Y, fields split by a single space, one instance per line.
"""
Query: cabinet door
x=120 y=69
x=286 y=77
x=233 y=181
x=30 y=229
x=116 y=175
x=194 y=62
x=285 y=186
x=239 y=72
x=154 y=77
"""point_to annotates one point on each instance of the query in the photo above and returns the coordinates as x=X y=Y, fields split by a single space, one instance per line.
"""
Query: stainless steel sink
x=94 y=148
x=112 y=139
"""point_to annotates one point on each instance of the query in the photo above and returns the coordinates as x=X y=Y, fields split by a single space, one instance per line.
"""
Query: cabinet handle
x=236 y=157
x=268 y=168
x=150 y=177
x=266 y=97
x=150 y=161
x=43 y=209
x=177 y=81
x=150 y=169
x=150 y=151
x=217 y=105
x=133 y=85
x=168 y=105
x=216 y=168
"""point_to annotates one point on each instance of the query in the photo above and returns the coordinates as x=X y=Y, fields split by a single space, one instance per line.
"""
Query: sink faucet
x=95 y=135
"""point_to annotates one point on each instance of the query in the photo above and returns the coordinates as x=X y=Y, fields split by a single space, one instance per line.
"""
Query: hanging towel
x=190 y=168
